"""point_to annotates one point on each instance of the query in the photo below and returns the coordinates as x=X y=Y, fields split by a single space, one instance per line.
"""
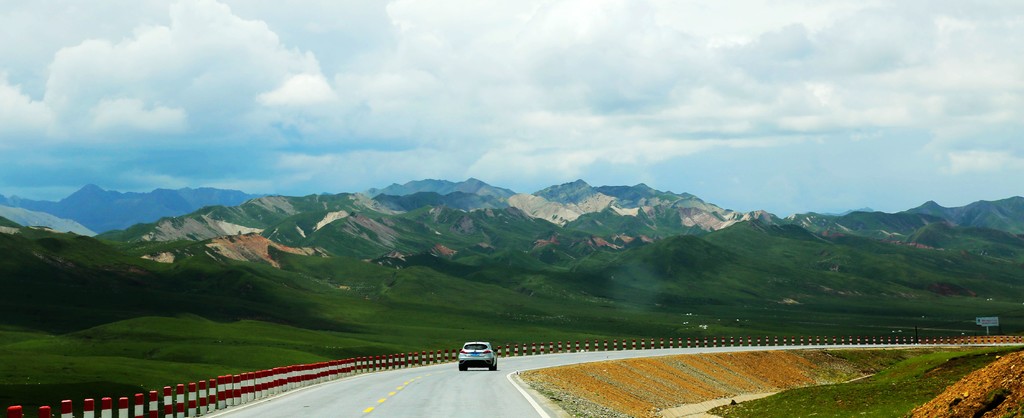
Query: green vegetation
x=894 y=391
x=82 y=315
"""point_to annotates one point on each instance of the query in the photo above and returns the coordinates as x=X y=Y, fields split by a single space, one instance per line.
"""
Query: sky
x=786 y=106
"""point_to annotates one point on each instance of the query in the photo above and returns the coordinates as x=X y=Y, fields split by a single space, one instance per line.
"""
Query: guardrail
x=207 y=396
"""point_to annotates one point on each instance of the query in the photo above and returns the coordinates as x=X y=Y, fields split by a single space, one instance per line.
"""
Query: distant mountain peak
x=88 y=190
x=103 y=210
x=442 y=187
x=573 y=192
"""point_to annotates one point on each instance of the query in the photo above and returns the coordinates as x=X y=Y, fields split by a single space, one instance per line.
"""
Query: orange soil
x=996 y=390
x=643 y=387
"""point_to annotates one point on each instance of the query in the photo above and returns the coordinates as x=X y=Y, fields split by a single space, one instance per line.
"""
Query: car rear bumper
x=477 y=362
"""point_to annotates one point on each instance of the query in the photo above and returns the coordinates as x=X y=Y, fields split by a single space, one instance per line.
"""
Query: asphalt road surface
x=443 y=391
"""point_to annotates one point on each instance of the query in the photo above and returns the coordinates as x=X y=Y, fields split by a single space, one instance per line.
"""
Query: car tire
x=462 y=367
x=493 y=367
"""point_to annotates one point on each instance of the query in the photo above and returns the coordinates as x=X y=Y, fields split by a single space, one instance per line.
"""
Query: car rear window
x=475 y=346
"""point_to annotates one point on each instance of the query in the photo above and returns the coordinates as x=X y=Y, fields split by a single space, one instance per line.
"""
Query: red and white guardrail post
x=122 y=407
x=89 y=408
x=154 y=404
x=168 y=402
x=106 y=408
x=66 y=409
x=140 y=406
x=179 y=401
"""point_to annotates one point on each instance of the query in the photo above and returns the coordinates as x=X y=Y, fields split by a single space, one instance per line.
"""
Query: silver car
x=477 y=354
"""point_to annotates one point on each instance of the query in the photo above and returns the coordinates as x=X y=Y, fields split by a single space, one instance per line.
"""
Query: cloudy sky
x=789 y=106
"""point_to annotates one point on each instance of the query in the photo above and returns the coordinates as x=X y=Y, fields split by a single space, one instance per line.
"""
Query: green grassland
x=83 y=316
x=903 y=381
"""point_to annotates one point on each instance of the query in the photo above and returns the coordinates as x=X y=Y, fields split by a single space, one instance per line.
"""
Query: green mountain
x=558 y=223
x=1004 y=215
x=83 y=314
x=252 y=216
x=444 y=187
x=982 y=241
x=457 y=200
x=879 y=225
x=574 y=192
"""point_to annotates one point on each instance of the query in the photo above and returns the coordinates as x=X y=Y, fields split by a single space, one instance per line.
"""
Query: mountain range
x=471 y=216
x=104 y=210
x=569 y=219
x=278 y=279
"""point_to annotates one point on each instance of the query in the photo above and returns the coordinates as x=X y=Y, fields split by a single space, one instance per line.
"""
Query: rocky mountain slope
x=245 y=247
x=563 y=221
x=32 y=218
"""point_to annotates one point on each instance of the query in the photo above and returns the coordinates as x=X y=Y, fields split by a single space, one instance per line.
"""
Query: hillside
x=8 y=223
x=623 y=388
x=20 y=216
x=604 y=211
x=356 y=225
x=1003 y=215
x=485 y=275
x=996 y=390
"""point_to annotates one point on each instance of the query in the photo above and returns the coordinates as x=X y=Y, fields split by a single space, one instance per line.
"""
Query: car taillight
x=463 y=352
x=487 y=351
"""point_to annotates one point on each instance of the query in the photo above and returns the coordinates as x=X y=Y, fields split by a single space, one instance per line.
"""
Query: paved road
x=443 y=391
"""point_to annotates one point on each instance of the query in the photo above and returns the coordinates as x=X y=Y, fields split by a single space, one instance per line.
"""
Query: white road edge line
x=536 y=406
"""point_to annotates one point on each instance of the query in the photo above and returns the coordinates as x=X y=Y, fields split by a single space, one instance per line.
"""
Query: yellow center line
x=390 y=394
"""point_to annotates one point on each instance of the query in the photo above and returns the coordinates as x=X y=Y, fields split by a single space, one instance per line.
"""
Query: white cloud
x=300 y=90
x=962 y=162
x=19 y=114
x=350 y=171
x=566 y=161
x=206 y=62
x=530 y=88
x=134 y=115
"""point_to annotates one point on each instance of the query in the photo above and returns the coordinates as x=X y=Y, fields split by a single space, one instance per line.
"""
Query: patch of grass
x=894 y=391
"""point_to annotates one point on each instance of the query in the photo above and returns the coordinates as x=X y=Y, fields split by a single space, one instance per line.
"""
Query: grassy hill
x=83 y=314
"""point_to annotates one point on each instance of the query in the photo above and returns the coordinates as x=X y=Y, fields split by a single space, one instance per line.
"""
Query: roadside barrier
x=207 y=396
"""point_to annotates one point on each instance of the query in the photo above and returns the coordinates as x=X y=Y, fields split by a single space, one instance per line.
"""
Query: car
x=477 y=354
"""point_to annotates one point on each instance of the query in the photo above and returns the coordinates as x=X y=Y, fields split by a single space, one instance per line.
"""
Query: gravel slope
x=645 y=387
x=996 y=390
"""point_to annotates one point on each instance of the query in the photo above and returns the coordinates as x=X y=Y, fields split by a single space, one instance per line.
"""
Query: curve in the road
x=442 y=390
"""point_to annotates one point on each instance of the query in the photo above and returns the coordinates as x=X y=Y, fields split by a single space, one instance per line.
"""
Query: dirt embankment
x=996 y=390
x=646 y=387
